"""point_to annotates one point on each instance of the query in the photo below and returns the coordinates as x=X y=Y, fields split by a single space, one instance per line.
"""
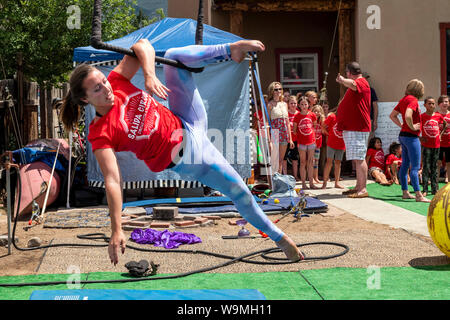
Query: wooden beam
x=43 y=113
x=236 y=22
x=287 y=6
x=345 y=43
x=20 y=96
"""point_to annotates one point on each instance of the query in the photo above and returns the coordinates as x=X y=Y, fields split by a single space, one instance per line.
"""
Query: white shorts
x=356 y=144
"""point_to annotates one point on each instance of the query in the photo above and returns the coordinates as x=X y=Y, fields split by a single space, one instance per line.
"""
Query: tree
x=47 y=31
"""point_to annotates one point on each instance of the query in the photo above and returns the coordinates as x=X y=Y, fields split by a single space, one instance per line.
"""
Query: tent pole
x=256 y=70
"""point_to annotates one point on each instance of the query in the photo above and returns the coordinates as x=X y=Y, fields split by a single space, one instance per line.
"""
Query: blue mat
x=117 y=294
x=312 y=205
x=180 y=201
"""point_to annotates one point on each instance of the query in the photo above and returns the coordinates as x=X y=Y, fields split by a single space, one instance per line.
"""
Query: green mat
x=401 y=283
x=393 y=194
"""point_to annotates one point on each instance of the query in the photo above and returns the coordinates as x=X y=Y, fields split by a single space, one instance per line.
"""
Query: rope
x=334 y=34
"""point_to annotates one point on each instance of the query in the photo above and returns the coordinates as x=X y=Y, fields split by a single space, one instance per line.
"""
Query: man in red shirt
x=353 y=118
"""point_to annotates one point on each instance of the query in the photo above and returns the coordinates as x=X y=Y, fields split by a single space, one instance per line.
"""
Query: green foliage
x=46 y=32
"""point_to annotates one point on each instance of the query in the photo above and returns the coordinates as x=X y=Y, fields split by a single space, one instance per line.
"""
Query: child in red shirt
x=393 y=162
x=375 y=161
x=292 y=153
x=431 y=136
x=335 y=150
x=304 y=123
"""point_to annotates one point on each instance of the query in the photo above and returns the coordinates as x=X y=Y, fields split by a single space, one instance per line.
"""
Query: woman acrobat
x=129 y=119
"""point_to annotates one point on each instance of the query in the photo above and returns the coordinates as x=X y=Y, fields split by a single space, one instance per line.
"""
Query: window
x=299 y=69
x=445 y=58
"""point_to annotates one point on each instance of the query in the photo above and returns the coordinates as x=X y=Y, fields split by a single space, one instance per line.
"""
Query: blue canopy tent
x=224 y=87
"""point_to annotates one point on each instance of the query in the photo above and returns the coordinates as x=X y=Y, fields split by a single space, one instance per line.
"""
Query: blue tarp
x=165 y=34
x=224 y=87
x=28 y=155
x=118 y=294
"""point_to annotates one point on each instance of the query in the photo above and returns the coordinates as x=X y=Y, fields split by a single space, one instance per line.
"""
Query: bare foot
x=290 y=249
x=408 y=196
x=422 y=199
x=304 y=186
x=317 y=181
x=324 y=186
x=240 y=48
x=312 y=186
x=339 y=186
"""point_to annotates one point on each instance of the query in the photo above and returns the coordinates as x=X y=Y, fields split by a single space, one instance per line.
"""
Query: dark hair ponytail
x=72 y=102
x=70 y=112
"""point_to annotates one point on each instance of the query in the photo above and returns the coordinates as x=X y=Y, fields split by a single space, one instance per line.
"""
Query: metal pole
x=8 y=206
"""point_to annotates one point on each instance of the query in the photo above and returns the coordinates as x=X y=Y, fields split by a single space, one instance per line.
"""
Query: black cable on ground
x=101 y=236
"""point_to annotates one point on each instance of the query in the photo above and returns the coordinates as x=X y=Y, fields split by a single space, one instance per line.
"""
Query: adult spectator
x=409 y=109
x=353 y=119
x=373 y=106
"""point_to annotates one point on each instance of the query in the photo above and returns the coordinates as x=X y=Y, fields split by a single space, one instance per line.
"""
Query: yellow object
x=276 y=201
x=438 y=219
x=178 y=200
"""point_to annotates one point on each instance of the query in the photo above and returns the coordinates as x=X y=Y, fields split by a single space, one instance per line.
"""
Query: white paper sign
x=387 y=130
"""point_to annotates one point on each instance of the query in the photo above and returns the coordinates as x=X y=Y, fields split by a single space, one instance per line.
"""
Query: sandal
x=347 y=192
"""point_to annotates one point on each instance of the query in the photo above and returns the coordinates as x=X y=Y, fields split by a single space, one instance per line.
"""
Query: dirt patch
x=370 y=243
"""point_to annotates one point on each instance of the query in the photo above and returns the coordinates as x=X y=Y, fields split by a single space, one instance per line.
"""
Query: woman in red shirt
x=409 y=109
x=129 y=119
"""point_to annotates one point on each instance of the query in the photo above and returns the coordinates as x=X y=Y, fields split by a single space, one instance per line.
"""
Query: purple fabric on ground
x=166 y=239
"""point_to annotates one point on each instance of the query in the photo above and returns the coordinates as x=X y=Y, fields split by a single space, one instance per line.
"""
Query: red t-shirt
x=354 y=110
x=376 y=158
x=137 y=123
x=445 y=138
x=305 y=128
x=390 y=160
x=406 y=102
x=318 y=134
x=430 y=129
x=291 y=121
x=335 y=138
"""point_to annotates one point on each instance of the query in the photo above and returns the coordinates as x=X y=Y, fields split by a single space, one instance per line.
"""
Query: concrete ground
x=377 y=234
x=372 y=209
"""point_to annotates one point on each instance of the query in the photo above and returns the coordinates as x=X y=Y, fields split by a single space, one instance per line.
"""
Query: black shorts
x=292 y=154
x=444 y=153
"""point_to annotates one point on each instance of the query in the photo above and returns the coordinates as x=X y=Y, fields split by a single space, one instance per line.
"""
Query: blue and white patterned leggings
x=201 y=161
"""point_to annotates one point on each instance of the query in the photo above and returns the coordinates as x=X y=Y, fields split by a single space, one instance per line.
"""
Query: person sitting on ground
x=393 y=162
x=375 y=161
x=130 y=119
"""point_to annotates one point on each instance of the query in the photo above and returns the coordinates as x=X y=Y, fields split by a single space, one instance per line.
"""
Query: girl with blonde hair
x=408 y=108
x=279 y=118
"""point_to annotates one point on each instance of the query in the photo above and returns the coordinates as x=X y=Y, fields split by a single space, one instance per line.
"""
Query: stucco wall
x=406 y=46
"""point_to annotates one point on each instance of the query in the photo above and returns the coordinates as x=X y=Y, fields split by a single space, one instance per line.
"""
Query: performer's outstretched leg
x=201 y=160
